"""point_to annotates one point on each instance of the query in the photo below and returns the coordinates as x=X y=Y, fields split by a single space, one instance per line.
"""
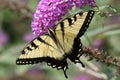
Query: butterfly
x=58 y=44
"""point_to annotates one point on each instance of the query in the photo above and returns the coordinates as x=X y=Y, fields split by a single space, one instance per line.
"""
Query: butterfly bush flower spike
x=47 y=13
x=82 y=3
x=50 y=11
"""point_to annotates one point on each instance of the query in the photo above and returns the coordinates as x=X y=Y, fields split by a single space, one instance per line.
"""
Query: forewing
x=69 y=32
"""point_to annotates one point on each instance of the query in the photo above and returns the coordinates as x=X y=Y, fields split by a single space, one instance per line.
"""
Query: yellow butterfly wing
x=69 y=32
x=42 y=49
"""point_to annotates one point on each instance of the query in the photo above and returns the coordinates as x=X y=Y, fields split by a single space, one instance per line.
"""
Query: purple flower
x=91 y=3
x=50 y=11
x=97 y=43
x=28 y=37
x=81 y=77
x=82 y=3
x=85 y=77
x=35 y=70
x=3 y=38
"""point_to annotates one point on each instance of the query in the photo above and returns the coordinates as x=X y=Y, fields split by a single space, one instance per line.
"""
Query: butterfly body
x=58 y=44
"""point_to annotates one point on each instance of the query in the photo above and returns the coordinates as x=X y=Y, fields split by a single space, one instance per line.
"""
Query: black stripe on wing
x=34 y=46
x=62 y=29
x=69 y=21
x=76 y=51
x=59 y=64
x=86 y=23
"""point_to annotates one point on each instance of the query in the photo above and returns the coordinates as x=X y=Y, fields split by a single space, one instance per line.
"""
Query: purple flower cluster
x=91 y=3
x=3 y=38
x=85 y=76
x=98 y=43
x=28 y=37
x=50 y=11
x=82 y=3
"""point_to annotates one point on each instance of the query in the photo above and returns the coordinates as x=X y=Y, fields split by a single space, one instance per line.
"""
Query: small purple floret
x=28 y=37
x=3 y=38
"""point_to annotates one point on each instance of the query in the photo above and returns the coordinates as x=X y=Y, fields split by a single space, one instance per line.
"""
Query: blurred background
x=15 y=32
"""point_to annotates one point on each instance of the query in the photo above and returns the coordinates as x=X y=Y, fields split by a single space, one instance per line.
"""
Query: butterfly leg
x=78 y=61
